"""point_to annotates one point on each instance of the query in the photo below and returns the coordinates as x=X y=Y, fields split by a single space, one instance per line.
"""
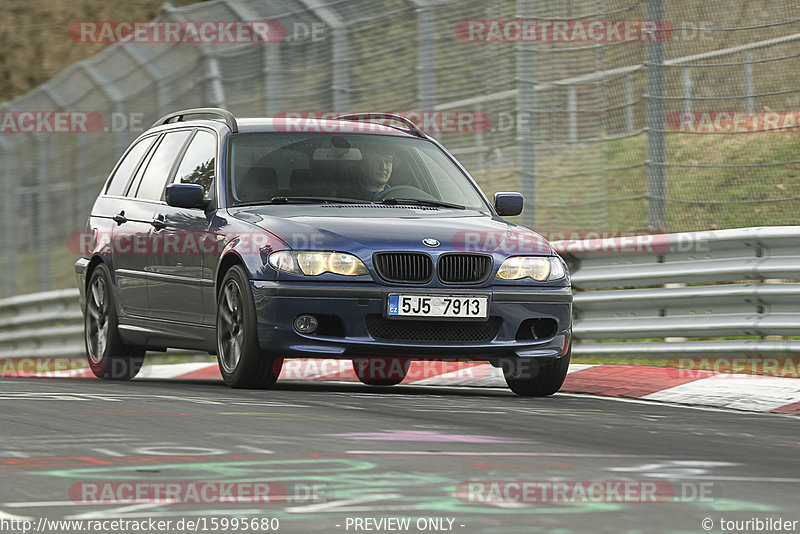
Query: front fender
x=252 y=250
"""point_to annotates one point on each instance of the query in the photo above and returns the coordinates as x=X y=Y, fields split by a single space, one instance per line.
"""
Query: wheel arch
x=226 y=263
x=93 y=263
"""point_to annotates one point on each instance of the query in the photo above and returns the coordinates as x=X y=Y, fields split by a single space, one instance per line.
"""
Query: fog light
x=306 y=324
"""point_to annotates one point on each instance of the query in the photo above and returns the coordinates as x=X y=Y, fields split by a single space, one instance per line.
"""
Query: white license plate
x=470 y=307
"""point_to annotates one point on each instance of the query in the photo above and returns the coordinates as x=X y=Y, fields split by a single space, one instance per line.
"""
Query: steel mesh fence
x=686 y=127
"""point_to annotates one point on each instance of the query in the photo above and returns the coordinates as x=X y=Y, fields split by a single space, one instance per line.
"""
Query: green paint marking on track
x=730 y=505
x=244 y=470
x=343 y=479
x=566 y=508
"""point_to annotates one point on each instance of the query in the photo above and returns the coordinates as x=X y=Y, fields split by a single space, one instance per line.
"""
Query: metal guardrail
x=715 y=284
x=41 y=325
x=625 y=289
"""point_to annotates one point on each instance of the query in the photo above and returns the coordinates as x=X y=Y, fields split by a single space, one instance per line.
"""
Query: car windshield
x=280 y=168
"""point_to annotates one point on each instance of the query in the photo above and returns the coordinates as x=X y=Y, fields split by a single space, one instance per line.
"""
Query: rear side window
x=160 y=164
x=128 y=165
x=197 y=165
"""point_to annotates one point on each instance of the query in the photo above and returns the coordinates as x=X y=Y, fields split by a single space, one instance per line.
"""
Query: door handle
x=120 y=218
x=159 y=223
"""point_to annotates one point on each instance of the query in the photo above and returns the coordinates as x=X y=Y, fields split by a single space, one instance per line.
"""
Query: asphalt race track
x=332 y=457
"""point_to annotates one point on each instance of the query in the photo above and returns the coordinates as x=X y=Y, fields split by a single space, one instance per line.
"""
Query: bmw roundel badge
x=431 y=242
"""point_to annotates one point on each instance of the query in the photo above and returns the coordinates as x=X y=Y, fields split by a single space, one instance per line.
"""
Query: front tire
x=381 y=371
x=108 y=356
x=534 y=379
x=242 y=363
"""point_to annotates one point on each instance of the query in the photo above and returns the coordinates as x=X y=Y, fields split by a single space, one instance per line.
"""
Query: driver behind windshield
x=377 y=171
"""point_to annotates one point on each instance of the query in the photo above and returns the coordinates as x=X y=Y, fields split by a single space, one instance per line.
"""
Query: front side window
x=280 y=167
x=158 y=168
x=197 y=165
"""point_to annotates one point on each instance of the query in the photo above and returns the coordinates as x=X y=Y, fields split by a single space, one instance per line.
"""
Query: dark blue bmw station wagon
x=356 y=238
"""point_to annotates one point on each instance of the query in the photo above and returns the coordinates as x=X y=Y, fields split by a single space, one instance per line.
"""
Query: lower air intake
x=411 y=330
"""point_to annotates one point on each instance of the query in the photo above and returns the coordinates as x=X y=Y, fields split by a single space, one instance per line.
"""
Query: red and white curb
x=703 y=388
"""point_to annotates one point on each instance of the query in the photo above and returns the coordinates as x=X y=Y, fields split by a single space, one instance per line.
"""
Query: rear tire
x=242 y=363
x=108 y=356
x=537 y=379
x=381 y=371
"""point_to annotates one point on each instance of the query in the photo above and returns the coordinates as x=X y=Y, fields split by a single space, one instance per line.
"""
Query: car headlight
x=537 y=268
x=312 y=263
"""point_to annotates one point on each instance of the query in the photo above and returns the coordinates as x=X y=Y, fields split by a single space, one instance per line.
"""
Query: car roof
x=291 y=125
x=310 y=125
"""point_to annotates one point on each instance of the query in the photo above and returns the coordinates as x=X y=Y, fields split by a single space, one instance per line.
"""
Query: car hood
x=359 y=229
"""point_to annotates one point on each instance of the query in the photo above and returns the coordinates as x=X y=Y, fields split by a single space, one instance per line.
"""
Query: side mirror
x=185 y=195
x=507 y=204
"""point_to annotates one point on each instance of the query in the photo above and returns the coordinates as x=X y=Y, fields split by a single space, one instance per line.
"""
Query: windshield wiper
x=315 y=200
x=422 y=202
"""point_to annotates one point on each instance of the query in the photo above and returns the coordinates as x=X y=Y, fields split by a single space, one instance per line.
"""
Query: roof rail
x=413 y=128
x=220 y=113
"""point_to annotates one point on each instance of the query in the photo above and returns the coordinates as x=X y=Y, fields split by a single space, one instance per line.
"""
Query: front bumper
x=278 y=303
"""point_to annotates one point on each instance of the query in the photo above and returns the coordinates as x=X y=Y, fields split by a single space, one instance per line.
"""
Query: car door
x=145 y=195
x=177 y=281
x=130 y=229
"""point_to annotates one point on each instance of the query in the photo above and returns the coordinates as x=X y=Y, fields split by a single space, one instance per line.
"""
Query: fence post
x=655 y=120
x=628 y=104
x=526 y=136
x=479 y=141
x=340 y=62
x=42 y=210
x=271 y=62
x=748 y=81
x=687 y=88
x=9 y=215
x=572 y=113
x=272 y=79
x=215 y=91
x=116 y=98
x=341 y=69
x=159 y=77
x=426 y=65
x=82 y=179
